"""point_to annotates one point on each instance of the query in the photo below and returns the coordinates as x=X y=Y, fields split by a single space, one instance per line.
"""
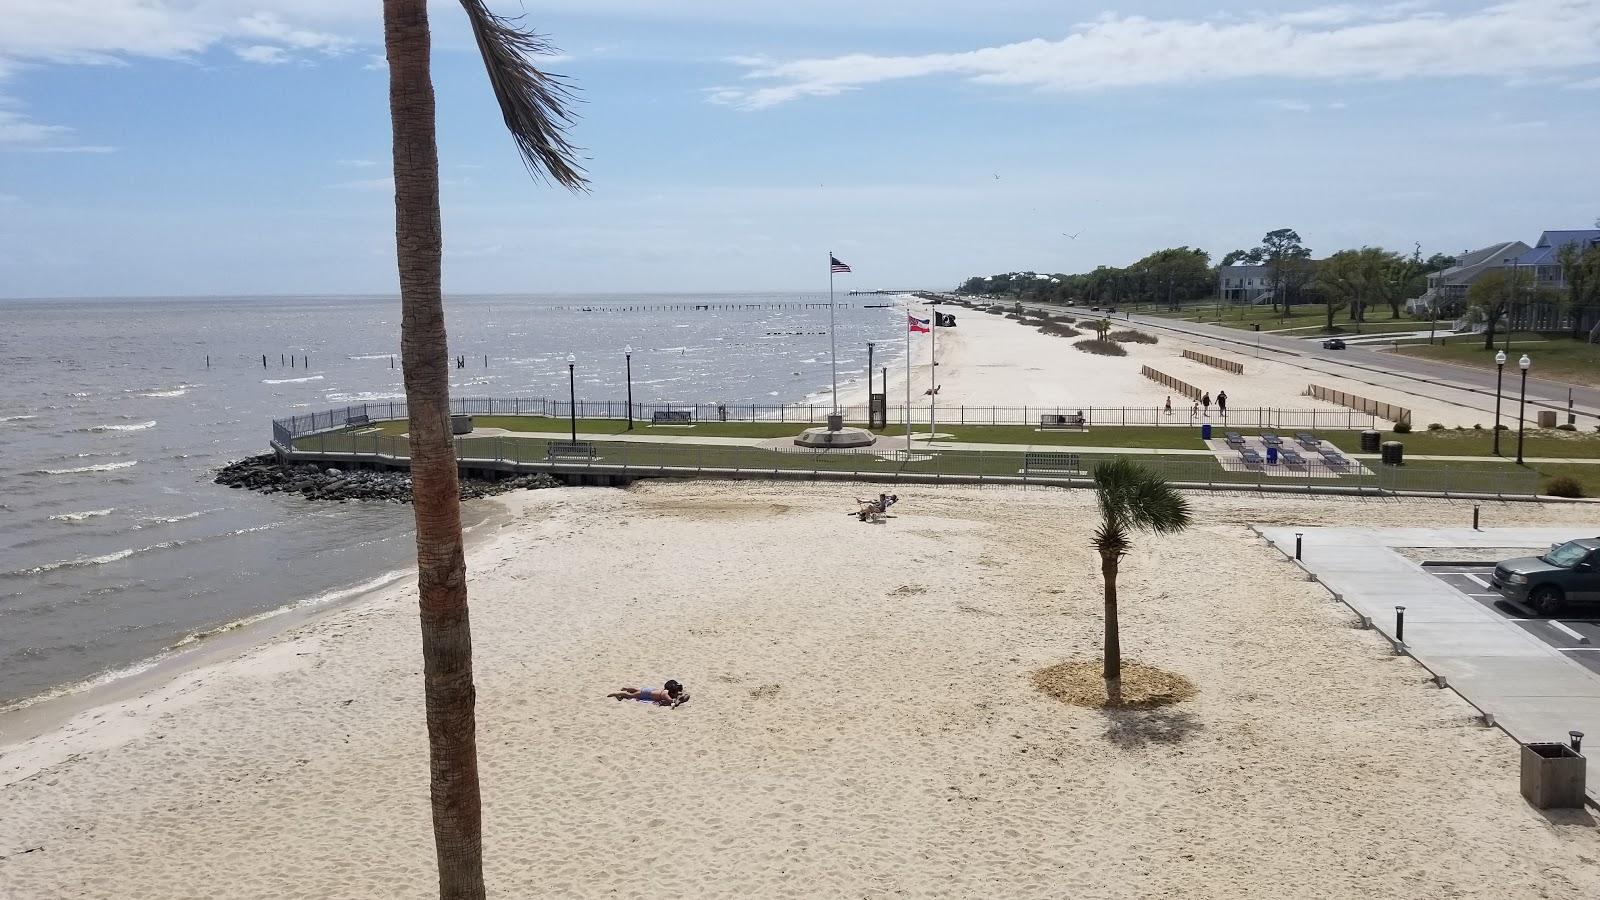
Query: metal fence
x=284 y=431
x=891 y=462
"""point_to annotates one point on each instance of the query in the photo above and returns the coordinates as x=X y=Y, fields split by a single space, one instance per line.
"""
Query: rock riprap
x=265 y=474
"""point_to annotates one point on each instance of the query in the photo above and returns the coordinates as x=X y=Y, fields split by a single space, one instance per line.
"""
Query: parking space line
x=1478 y=578
x=1567 y=631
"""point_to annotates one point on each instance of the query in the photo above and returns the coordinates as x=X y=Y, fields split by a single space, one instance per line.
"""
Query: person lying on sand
x=672 y=694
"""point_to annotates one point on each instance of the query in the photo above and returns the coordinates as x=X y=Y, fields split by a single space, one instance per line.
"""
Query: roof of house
x=1546 y=252
x=1469 y=264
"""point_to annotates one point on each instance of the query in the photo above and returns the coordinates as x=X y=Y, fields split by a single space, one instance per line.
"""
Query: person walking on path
x=1168 y=408
x=1194 y=411
x=1205 y=400
x=1222 y=402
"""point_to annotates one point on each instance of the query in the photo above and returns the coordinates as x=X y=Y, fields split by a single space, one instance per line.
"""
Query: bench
x=1051 y=420
x=1049 y=463
x=1234 y=439
x=1250 y=457
x=569 y=450
x=1334 y=459
x=1268 y=439
x=1307 y=440
x=358 y=419
x=1292 y=457
x=672 y=417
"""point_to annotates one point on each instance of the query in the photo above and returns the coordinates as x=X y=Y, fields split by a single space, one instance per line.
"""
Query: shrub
x=1435 y=426
x=1566 y=426
x=1059 y=330
x=1476 y=427
x=994 y=311
x=1563 y=486
x=1101 y=348
x=1131 y=337
x=1502 y=428
x=1402 y=428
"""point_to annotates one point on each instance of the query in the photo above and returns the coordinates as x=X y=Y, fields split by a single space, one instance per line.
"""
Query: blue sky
x=241 y=146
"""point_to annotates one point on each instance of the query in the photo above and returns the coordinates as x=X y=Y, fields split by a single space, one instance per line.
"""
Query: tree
x=1580 y=268
x=1284 y=257
x=534 y=106
x=1132 y=498
x=1491 y=294
x=1339 y=282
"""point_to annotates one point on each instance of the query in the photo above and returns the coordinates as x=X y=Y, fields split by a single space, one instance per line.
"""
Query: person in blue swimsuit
x=671 y=694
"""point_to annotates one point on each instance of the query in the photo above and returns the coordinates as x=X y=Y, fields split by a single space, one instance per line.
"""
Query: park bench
x=672 y=417
x=1056 y=420
x=1234 y=439
x=1268 y=439
x=1051 y=463
x=1292 y=457
x=1334 y=459
x=558 y=450
x=1307 y=440
x=358 y=419
x=1250 y=456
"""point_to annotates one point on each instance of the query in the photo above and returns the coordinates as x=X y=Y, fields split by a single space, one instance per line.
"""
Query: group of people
x=1203 y=405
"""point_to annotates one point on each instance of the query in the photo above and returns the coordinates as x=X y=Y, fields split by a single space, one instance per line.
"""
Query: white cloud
x=265 y=54
x=1586 y=84
x=358 y=163
x=1290 y=105
x=19 y=132
x=376 y=63
x=1371 y=43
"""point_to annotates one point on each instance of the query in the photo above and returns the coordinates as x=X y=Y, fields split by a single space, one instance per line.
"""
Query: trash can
x=460 y=424
x=1393 y=453
x=1552 y=776
x=1369 y=441
x=1205 y=431
x=1272 y=456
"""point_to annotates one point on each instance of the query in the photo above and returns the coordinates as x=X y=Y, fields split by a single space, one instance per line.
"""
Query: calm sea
x=115 y=547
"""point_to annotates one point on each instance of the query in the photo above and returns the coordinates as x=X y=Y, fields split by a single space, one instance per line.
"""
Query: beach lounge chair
x=1250 y=457
x=1307 y=440
x=1271 y=440
x=1292 y=457
x=1234 y=438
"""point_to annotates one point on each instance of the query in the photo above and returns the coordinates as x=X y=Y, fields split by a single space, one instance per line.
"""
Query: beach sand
x=991 y=361
x=863 y=723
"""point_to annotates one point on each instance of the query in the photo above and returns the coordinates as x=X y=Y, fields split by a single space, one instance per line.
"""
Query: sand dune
x=863 y=724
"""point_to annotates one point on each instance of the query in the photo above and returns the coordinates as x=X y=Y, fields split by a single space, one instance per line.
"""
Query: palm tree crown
x=1133 y=498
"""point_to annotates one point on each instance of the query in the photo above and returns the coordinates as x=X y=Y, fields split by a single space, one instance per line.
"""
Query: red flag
x=918 y=326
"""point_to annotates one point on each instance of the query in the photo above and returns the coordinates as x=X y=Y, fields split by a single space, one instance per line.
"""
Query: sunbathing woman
x=671 y=694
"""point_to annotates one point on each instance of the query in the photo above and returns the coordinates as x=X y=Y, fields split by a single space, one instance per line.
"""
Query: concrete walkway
x=1531 y=690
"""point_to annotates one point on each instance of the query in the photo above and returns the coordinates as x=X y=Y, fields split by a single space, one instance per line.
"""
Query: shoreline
x=60 y=707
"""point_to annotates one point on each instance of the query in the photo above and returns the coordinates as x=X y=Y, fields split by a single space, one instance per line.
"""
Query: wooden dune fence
x=1396 y=414
x=1216 y=362
x=1182 y=387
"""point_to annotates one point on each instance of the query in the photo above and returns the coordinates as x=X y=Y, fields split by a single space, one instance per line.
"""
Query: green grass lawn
x=1311 y=319
x=1473 y=442
x=1555 y=357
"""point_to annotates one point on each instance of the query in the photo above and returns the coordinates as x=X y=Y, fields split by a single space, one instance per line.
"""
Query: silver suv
x=1568 y=574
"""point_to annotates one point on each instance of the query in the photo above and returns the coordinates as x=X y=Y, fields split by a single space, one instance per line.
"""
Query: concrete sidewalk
x=1532 y=691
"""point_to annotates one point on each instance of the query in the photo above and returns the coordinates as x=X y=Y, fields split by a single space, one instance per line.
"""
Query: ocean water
x=115 y=547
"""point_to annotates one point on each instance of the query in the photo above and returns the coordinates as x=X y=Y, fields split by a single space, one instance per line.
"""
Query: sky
x=203 y=147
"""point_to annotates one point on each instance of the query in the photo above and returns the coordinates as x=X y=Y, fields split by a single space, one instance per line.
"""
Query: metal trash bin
x=1393 y=453
x=1369 y=441
x=460 y=424
x=1553 y=776
x=1272 y=456
x=1205 y=431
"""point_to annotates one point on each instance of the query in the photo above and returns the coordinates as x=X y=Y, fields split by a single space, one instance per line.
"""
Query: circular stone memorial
x=836 y=436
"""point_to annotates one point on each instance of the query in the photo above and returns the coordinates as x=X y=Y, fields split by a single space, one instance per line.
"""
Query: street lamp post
x=1525 y=363
x=572 y=394
x=627 y=353
x=1499 y=374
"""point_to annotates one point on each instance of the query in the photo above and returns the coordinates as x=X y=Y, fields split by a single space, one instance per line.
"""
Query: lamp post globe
x=1499 y=375
x=1524 y=364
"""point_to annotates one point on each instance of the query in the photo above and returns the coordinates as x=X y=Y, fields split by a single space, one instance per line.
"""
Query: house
x=1447 y=288
x=1545 y=257
x=1244 y=284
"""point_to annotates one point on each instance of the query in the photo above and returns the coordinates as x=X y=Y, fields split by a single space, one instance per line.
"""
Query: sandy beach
x=863 y=723
x=991 y=361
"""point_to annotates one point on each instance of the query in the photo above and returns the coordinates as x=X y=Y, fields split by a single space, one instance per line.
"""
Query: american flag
x=918 y=326
x=837 y=266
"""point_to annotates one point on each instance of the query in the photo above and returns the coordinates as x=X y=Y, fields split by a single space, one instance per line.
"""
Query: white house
x=1244 y=284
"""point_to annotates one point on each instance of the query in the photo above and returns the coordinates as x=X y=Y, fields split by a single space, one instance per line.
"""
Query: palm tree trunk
x=1113 y=642
x=441 y=565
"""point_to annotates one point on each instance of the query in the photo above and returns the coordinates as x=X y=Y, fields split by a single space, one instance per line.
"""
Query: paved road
x=1577 y=636
x=1461 y=385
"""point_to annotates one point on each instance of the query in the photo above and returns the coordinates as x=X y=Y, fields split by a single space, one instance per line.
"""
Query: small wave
x=102 y=467
x=175 y=392
x=135 y=426
x=372 y=356
x=16 y=418
x=85 y=561
x=80 y=516
x=169 y=520
x=79 y=394
x=291 y=380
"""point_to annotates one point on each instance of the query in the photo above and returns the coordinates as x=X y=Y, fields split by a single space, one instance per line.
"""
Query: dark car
x=1333 y=344
x=1568 y=575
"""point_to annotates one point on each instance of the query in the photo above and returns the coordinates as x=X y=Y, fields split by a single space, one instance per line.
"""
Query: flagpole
x=908 y=382
x=933 y=371
x=833 y=351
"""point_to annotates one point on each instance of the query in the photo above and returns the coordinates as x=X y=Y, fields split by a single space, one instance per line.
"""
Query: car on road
x=1333 y=344
x=1567 y=575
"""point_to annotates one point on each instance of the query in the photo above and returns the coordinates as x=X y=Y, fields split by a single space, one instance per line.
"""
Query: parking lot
x=1576 y=633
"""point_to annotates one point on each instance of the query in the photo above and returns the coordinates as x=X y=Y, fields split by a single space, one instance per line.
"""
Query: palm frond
x=1132 y=496
x=535 y=104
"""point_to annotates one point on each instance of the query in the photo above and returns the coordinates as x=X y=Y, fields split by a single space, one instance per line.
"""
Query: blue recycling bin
x=1272 y=456
x=1205 y=431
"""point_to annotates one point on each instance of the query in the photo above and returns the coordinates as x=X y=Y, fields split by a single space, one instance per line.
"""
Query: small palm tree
x=1132 y=498
x=534 y=105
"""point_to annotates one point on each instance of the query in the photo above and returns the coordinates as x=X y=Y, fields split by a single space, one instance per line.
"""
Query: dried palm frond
x=535 y=103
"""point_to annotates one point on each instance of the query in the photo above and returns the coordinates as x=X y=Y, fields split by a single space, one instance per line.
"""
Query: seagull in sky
x=1072 y=237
